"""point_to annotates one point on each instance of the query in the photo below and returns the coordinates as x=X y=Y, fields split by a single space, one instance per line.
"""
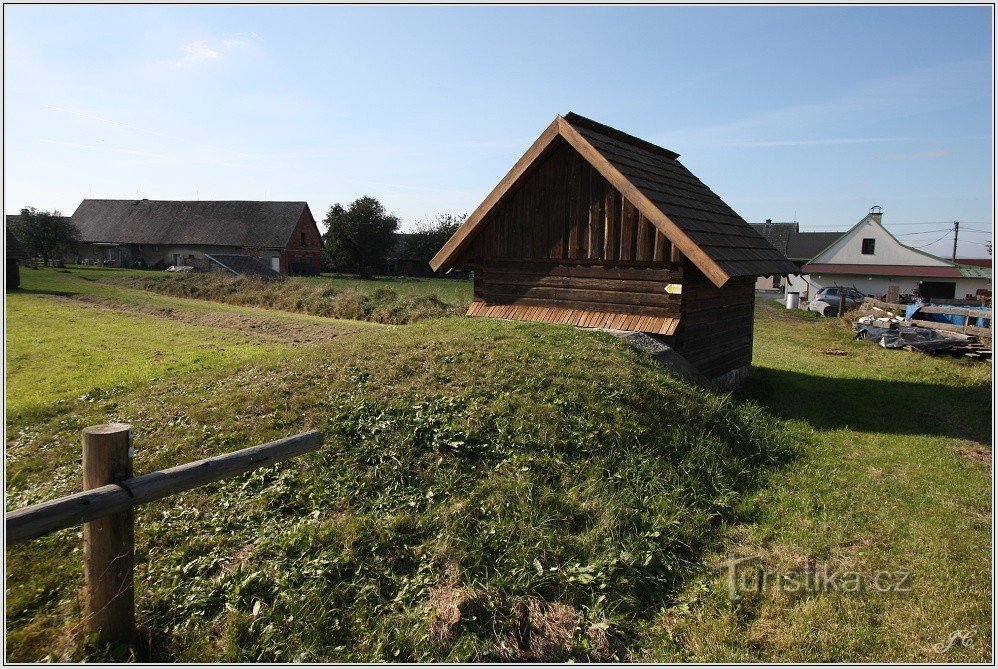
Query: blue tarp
x=953 y=319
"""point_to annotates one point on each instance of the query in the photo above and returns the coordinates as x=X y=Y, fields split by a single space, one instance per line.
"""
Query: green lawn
x=895 y=477
x=58 y=350
x=482 y=477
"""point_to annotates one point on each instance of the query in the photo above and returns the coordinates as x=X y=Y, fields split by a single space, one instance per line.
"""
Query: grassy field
x=59 y=346
x=508 y=491
x=895 y=478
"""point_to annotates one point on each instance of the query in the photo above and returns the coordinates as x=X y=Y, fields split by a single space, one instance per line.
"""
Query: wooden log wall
x=564 y=246
x=565 y=210
x=619 y=288
x=715 y=334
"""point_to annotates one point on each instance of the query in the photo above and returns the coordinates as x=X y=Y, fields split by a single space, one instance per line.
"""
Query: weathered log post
x=109 y=542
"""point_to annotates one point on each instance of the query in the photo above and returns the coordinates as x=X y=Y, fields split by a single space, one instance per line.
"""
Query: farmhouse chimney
x=876 y=212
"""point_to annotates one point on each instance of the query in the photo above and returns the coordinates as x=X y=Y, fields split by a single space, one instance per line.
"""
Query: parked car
x=826 y=300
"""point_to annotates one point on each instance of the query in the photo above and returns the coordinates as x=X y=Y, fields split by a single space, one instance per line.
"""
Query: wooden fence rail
x=105 y=509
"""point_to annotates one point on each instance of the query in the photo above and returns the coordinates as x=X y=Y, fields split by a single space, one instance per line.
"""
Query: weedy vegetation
x=388 y=301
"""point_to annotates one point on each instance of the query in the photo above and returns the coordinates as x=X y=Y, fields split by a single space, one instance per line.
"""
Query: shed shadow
x=874 y=405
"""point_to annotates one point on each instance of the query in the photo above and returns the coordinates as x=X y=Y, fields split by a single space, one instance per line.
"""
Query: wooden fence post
x=108 y=542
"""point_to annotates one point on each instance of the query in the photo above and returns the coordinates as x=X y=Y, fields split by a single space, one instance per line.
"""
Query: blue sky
x=813 y=113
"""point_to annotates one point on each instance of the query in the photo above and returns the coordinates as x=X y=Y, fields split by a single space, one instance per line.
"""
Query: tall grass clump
x=381 y=305
x=488 y=492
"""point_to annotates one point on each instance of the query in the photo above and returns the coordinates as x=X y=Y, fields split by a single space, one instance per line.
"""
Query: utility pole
x=956 y=235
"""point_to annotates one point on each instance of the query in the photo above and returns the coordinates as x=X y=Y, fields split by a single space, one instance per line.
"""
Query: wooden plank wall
x=599 y=287
x=564 y=209
x=715 y=334
x=583 y=318
x=564 y=246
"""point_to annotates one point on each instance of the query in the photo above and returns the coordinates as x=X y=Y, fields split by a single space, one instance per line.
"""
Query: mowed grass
x=895 y=479
x=510 y=491
x=58 y=351
x=480 y=478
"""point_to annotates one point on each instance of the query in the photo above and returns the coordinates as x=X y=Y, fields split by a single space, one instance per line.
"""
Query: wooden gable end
x=565 y=246
x=564 y=209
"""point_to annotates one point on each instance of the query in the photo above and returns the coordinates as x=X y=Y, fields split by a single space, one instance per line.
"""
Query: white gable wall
x=888 y=251
x=875 y=286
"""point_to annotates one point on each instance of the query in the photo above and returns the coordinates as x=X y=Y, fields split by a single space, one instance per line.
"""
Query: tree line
x=362 y=237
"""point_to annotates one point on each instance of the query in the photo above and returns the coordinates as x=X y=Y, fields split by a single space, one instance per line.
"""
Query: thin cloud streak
x=924 y=89
x=108 y=121
x=912 y=155
x=156 y=158
x=811 y=142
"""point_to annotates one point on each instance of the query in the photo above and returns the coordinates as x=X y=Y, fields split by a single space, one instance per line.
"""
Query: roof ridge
x=146 y=199
x=579 y=120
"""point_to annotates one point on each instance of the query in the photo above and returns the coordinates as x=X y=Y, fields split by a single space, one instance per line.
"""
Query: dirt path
x=287 y=330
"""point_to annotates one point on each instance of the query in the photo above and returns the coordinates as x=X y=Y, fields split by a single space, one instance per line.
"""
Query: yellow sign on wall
x=674 y=288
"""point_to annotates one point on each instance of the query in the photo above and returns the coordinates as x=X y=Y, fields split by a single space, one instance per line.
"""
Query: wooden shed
x=15 y=253
x=596 y=228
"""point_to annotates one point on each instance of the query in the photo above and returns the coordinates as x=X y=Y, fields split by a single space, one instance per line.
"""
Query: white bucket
x=793 y=300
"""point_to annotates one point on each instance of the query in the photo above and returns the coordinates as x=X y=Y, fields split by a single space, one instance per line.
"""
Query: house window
x=302 y=238
x=868 y=246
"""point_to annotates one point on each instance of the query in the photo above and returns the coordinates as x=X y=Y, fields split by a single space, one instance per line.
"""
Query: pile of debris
x=894 y=332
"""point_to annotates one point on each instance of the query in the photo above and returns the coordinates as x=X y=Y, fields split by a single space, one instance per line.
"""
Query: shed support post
x=108 y=542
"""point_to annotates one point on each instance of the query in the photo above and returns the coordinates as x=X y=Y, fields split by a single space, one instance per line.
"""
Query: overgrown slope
x=488 y=490
x=319 y=298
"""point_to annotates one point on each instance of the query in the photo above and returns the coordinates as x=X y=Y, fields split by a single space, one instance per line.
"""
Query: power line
x=934 y=241
x=923 y=232
x=892 y=224
x=976 y=230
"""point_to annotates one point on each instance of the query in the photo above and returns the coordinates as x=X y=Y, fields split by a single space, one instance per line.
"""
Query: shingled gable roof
x=716 y=239
x=237 y=223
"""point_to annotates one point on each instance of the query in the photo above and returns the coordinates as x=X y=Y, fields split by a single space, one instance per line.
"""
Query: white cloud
x=217 y=48
x=199 y=50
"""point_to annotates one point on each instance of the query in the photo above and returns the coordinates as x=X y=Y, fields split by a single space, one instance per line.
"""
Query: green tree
x=45 y=233
x=359 y=237
x=430 y=236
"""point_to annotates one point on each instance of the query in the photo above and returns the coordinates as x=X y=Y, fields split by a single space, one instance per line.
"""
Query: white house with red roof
x=871 y=259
